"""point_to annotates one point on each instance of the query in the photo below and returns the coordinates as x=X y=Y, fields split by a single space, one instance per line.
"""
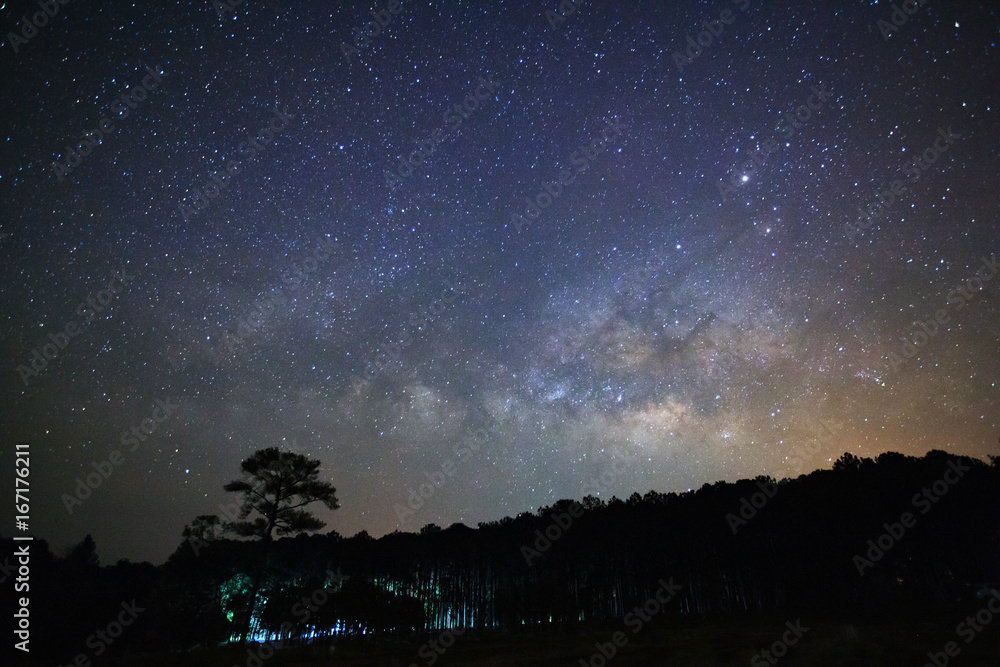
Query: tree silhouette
x=201 y=531
x=84 y=554
x=275 y=485
x=812 y=547
x=847 y=461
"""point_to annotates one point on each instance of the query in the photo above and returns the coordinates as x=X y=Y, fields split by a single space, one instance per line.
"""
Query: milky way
x=616 y=247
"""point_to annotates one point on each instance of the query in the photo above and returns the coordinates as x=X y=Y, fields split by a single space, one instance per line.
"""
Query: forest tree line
x=828 y=544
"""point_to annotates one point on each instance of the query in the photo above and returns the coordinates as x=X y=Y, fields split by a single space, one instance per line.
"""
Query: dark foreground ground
x=836 y=645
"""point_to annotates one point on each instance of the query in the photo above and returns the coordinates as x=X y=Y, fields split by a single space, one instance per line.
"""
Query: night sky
x=619 y=255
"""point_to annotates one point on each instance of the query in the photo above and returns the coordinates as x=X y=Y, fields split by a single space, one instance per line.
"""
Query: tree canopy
x=275 y=486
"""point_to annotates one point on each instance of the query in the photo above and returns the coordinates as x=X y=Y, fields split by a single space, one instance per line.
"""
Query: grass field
x=833 y=645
